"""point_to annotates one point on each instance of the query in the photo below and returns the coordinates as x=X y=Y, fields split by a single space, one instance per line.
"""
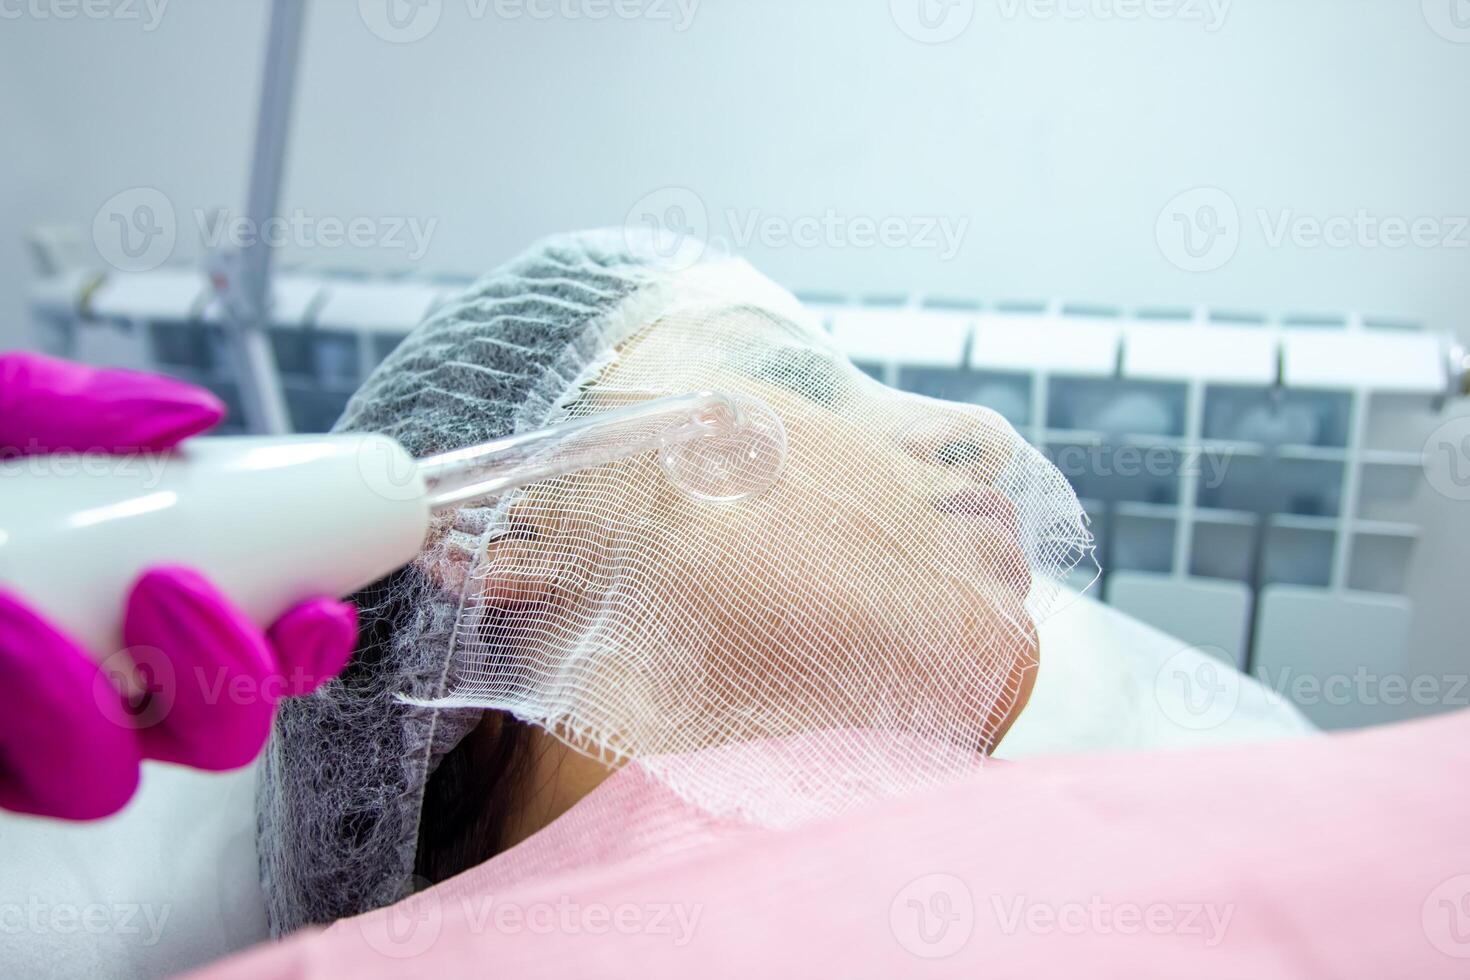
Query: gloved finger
x=313 y=642
x=50 y=405
x=66 y=749
x=215 y=667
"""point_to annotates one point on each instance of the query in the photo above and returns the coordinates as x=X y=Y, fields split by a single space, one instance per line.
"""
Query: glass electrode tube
x=712 y=445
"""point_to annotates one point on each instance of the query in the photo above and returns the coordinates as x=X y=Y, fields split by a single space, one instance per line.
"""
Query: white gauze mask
x=864 y=626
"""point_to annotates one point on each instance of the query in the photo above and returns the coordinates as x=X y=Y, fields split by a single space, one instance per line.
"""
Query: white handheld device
x=275 y=521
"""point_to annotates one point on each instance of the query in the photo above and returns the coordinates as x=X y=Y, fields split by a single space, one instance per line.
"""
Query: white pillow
x=1109 y=683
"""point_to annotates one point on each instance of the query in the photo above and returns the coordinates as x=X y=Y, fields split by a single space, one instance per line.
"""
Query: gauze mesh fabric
x=872 y=615
x=869 y=618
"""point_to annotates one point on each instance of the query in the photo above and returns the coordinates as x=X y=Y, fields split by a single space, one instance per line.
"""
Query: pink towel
x=1342 y=856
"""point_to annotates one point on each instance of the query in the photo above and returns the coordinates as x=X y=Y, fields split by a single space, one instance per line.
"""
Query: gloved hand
x=199 y=681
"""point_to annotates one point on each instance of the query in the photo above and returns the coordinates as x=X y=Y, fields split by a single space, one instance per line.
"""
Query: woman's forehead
x=731 y=336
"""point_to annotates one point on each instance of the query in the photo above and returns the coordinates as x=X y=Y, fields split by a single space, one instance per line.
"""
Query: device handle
x=271 y=521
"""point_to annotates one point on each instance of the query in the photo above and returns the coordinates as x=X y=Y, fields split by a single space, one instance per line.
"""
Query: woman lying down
x=623 y=717
x=862 y=628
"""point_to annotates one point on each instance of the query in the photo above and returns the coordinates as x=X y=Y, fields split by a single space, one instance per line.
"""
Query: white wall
x=1059 y=140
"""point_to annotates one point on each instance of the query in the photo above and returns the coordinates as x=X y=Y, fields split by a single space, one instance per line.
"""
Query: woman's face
x=880 y=585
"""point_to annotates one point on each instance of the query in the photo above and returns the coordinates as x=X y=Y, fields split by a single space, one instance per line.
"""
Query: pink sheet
x=1342 y=856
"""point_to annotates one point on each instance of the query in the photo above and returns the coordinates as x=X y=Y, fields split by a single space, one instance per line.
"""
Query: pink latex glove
x=202 y=681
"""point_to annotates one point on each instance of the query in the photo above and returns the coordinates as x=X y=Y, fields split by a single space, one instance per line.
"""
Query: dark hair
x=471 y=796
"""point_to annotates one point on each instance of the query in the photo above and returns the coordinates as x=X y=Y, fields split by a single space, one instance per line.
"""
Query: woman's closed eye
x=812 y=374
